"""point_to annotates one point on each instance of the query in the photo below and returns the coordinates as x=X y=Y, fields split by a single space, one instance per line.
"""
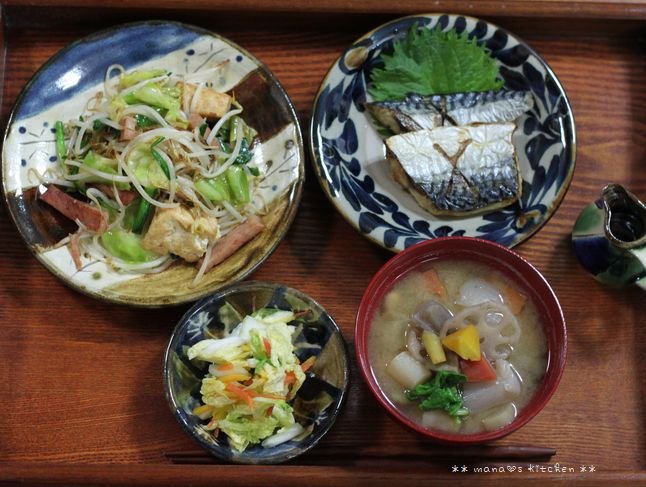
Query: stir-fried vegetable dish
x=160 y=166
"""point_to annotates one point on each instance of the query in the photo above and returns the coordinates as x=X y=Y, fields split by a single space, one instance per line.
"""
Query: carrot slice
x=513 y=298
x=477 y=370
x=267 y=345
x=435 y=283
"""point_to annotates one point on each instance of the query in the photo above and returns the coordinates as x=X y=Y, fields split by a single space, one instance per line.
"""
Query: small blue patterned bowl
x=317 y=402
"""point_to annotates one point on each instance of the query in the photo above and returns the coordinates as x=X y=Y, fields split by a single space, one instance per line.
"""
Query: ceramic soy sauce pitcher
x=610 y=238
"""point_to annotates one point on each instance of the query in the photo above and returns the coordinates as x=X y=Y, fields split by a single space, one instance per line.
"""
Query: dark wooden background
x=81 y=397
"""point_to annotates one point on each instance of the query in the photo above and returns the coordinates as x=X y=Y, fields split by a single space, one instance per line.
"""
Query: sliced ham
x=195 y=120
x=214 y=142
x=233 y=240
x=128 y=129
x=125 y=196
x=92 y=218
x=75 y=250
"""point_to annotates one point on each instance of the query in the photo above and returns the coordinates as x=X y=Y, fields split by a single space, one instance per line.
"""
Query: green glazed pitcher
x=609 y=238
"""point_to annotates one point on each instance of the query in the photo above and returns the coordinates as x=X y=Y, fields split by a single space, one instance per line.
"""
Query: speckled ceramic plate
x=349 y=155
x=59 y=91
x=317 y=402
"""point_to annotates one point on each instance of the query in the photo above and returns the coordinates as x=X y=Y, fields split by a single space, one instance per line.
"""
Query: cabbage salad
x=252 y=377
x=159 y=167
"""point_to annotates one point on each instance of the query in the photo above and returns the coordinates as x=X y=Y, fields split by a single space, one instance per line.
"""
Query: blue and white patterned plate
x=61 y=89
x=349 y=155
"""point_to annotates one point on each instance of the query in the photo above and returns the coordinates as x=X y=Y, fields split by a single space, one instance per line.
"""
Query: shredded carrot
x=234 y=378
x=267 y=344
x=305 y=366
x=269 y=411
x=225 y=366
x=241 y=393
x=290 y=378
x=435 y=283
x=247 y=395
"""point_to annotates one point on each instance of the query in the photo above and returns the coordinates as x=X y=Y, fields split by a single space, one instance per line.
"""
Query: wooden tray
x=81 y=391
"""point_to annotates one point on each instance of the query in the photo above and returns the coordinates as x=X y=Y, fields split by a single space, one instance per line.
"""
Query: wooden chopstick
x=478 y=452
x=518 y=452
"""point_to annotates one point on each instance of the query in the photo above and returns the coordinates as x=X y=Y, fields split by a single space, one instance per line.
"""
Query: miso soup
x=458 y=347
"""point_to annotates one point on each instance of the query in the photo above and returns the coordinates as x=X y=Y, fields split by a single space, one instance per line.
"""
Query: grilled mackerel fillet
x=419 y=112
x=454 y=171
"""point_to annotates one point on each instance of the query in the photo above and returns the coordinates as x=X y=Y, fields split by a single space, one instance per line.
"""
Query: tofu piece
x=210 y=103
x=177 y=231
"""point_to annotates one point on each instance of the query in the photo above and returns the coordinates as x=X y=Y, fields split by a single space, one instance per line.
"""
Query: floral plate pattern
x=349 y=155
x=60 y=91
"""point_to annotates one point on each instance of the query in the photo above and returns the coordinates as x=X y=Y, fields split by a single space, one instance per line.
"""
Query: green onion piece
x=235 y=127
x=249 y=134
x=214 y=189
x=225 y=147
x=61 y=150
x=144 y=210
x=238 y=183
x=144 y=122
x=160 y=160
x=245 y=154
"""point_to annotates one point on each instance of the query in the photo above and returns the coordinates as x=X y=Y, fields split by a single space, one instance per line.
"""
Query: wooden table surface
x=81 y=397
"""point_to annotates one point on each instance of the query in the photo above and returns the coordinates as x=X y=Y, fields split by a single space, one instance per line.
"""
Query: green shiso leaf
x=430 y=62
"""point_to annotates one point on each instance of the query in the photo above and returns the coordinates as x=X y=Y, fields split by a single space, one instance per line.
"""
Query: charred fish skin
x=457 y=170
x=418 y=112
x=398 y=121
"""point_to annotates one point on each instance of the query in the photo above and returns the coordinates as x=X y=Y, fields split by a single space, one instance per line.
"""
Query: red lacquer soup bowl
x=518 y=271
